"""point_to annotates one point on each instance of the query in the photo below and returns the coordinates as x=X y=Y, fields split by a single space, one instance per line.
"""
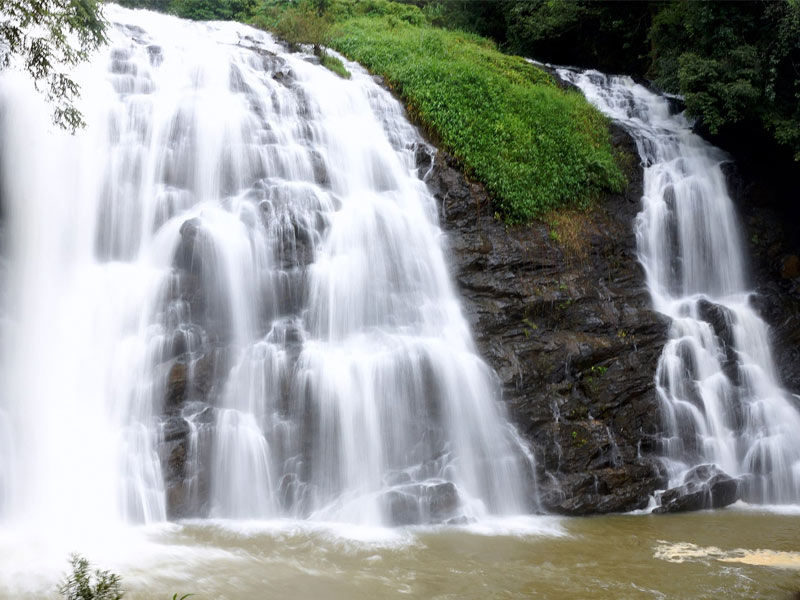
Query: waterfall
x=721 y=397
x=227 y=297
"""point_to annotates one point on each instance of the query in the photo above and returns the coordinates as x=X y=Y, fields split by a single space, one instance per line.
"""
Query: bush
x=81 y=584
x=297 y=24
x=334 y=64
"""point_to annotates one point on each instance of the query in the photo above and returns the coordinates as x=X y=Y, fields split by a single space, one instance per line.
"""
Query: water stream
x=721 y=397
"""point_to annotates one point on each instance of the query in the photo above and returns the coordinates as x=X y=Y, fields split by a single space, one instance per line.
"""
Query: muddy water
x=735 y=553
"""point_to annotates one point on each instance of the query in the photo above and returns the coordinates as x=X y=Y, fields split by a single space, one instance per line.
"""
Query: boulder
x=704 y=486
x=427 y=502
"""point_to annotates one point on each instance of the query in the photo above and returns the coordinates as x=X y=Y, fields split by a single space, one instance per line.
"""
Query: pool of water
x=740 y=552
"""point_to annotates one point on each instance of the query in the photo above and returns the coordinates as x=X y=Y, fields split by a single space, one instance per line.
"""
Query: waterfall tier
x=721 y=397
x=227 y=297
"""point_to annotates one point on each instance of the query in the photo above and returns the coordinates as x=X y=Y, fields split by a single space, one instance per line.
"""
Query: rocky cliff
x=767 y=205
x=560 y=310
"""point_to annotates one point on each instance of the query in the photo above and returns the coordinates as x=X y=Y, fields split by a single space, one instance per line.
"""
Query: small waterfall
x=722 y=401
x=227 y=297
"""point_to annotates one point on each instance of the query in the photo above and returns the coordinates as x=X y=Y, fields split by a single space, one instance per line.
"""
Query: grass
x=334 y=64
x=535 y=146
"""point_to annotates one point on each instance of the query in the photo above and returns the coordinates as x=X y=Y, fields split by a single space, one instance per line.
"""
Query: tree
x=46 y=38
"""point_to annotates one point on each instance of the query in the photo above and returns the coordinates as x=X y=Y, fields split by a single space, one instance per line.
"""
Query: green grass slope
x=535 y=146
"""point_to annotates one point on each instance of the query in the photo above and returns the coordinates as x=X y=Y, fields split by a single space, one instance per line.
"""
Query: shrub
x=82 y=584
x=334 y=64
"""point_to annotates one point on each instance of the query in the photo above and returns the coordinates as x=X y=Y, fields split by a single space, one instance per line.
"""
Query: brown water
x=739 y=553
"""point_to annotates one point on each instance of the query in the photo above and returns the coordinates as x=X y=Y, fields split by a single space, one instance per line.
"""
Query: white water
x=722 y=401
x=227 y=297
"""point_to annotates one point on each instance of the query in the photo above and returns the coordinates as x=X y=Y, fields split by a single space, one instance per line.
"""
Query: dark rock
x=155 y=54
x=791 y=267
x=568 y=327
x=766 y=201
x=423 y=157
x=415 y=503
x=722 y=321
x=704 y=486
x=190 y=231
x=441 y=500
x=175 y=429
x=177 y=380
x=403 y=508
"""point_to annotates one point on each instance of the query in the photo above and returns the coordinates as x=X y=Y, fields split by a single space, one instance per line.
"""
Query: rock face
x=769 y=217
x=705 y=486
x=560 y=310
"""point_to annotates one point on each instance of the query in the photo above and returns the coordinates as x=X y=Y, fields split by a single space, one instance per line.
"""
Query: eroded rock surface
x=561 y=312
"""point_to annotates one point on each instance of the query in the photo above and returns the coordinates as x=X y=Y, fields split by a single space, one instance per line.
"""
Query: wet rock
x=705 y=486
x=791 y=267
x=423 y=157
x=175 y=429
x=569 y=329
x=722 y=320
x=605 y=490
x=177 y=380
x=155 y=54
x=403 y=508
x=766 y=200
x=441 y=500
x=429 y=502
x=190 y=232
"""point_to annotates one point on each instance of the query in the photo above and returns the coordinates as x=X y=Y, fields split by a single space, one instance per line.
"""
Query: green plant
x=83 y=584
x=334 y=64
x=49 y=37
x=535 y=146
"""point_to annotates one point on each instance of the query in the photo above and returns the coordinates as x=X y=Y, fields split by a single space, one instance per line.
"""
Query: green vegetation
x=199 y=10
x=83 y=584
x=737 y=64
x=535 y=146
x=734 y=63
x=46 y=38
x=335 y=65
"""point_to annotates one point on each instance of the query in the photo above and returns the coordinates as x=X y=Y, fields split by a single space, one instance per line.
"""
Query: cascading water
x=722 y=401
x=227 y=297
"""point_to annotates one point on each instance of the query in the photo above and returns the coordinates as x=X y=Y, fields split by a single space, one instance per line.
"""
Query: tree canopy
x=737 y=64
x=46 y=38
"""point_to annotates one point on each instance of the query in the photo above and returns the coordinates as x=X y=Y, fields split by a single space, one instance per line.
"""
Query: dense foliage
x=199 y=10
x=46 y=38
x=535 y=146
x=737 y=64
x=734 y=63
